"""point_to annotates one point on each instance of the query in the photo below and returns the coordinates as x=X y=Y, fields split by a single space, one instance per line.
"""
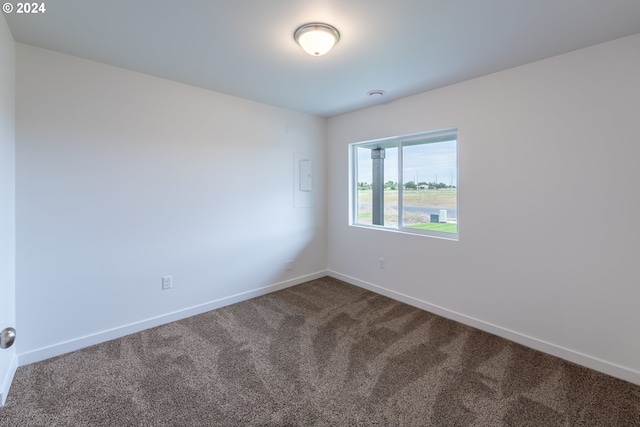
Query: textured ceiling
x=246 y=47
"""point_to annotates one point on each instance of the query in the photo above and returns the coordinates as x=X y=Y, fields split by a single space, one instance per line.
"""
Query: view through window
x=408 y=183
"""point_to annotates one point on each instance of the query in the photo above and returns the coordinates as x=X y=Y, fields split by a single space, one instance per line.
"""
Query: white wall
x=8 y=359
x=123 y=178
x=548 y=206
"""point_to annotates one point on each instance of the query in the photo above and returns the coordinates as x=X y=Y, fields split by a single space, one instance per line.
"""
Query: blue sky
x=436 y=162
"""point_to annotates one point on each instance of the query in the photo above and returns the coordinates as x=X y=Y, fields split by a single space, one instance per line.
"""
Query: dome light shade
x=316 y=39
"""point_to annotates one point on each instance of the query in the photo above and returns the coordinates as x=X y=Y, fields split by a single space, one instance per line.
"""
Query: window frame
x=400 y=142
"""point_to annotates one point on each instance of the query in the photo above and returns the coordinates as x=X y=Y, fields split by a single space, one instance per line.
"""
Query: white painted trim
x=8 y=379
x=576 y=357
x=110 y=334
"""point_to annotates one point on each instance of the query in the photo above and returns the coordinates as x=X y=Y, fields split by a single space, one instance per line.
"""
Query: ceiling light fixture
x=316 y=39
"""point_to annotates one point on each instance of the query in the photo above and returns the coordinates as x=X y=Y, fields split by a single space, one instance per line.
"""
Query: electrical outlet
x=167 y=282
x=288 y=265
x=380 y=262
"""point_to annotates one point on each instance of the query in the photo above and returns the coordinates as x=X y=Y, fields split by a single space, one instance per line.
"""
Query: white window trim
x=398 y=141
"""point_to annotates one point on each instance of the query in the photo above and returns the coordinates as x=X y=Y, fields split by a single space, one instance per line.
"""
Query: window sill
x=411 y=232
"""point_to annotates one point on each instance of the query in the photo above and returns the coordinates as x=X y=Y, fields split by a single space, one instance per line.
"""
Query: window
x=407 y=183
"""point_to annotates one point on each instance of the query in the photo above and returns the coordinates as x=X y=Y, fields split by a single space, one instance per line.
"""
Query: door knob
x=7 y=337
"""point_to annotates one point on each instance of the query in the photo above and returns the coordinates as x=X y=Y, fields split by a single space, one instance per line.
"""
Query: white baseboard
x=5 y=383
x=578 y=358
x=99 y=337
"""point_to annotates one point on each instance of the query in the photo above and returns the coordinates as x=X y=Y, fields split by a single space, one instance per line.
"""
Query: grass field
x=436 y=226
x=444 y=198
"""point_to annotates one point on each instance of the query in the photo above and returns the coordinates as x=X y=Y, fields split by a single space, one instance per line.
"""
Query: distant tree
x=435 y=185
x=410 y=185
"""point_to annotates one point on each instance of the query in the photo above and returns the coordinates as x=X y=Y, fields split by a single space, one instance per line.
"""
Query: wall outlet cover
x=167 y=282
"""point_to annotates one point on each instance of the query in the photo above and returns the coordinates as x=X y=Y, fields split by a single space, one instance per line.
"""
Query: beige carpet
x=321 y=353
